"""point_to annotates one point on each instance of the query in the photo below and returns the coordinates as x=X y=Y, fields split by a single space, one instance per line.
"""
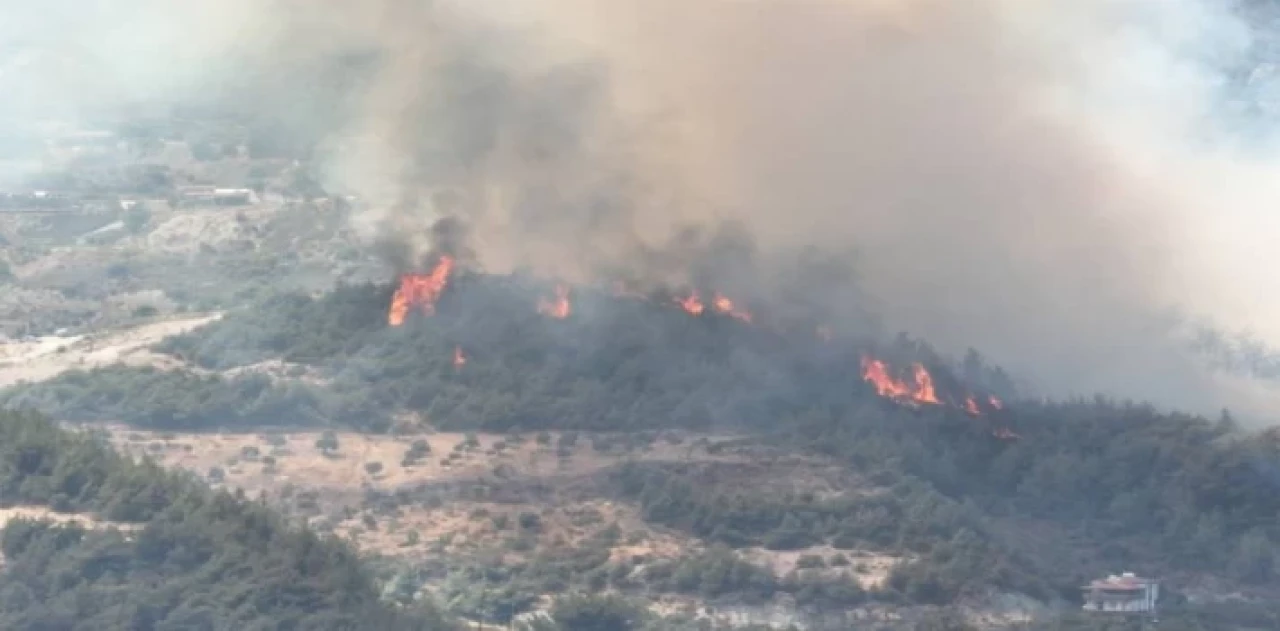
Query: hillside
x=86 y=270
x=92 y=540
x=1017 y=499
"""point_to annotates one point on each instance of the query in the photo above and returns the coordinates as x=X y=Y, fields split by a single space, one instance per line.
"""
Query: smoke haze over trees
x=1007 y=183
x=1049 y=183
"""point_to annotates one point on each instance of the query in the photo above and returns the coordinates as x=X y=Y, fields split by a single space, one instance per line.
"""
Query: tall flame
x=725 y=306
x=459 y=359
x=419 y=290
x=876 y=373
x=558 y=308
x=692 y=304
x=924 y=385
x=920 y=390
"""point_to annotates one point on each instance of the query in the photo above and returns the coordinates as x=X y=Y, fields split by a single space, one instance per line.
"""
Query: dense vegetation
x=629 y=365
x=1089 y=486
x=152 y=398
x=177 y=556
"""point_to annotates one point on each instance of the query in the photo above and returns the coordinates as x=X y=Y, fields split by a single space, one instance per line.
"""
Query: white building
x=218 y=196
x=1123 y=593
x=234 y=196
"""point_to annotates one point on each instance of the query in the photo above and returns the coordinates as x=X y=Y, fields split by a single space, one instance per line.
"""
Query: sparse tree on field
x=327 y=443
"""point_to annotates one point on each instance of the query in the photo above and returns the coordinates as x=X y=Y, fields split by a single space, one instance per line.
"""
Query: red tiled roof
x=1122 y=583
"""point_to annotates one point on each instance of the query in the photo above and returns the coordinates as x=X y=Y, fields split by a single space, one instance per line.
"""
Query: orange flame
x=876 y=373
x=419 y=290
x=924 y=385
x=459 y=359
x=558 y=308
x=725 y=306
x=692 y=304
x=920 y=390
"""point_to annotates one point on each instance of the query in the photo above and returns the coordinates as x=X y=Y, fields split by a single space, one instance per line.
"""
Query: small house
x=1124 y=593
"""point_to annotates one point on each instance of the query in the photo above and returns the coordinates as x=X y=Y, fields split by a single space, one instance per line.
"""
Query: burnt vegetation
x=1071 y=490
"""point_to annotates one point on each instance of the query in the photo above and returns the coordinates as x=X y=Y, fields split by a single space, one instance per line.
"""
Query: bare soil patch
x=46 y=357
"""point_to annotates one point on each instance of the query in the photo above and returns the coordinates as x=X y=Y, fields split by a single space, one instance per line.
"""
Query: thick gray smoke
x=1032 y=179
x=1046 y=181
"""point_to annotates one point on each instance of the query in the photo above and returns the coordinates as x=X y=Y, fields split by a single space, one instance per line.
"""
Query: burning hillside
x=420 y=291
x=917 y=389
x=478 y=311
x=558 y=307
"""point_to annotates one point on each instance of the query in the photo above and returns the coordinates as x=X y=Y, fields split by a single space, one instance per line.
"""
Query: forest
x=158 y=550
x=1033 y=497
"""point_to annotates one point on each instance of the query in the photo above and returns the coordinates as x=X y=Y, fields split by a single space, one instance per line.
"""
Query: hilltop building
x=1125 y=593
x=201 y=195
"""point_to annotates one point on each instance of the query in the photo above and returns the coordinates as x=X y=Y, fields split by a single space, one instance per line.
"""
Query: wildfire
x=720 y=304
x=972 y=406
x=459 y=359
x=557 y=308
x=692 y=304
x=920 y=390
x=725 y=306
x=419 y=290
x=924 y=385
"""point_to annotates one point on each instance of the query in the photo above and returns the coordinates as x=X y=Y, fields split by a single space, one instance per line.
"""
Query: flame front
x=924 y=386
x=919 y=391
x=558 y=308
x=419 y=290
x=725 y=306
x=692 y=304
x=876 y=373
x=720 y=304
x=459 y=359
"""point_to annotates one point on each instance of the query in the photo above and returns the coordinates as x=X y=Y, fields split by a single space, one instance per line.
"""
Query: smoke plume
x=1053 y=183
